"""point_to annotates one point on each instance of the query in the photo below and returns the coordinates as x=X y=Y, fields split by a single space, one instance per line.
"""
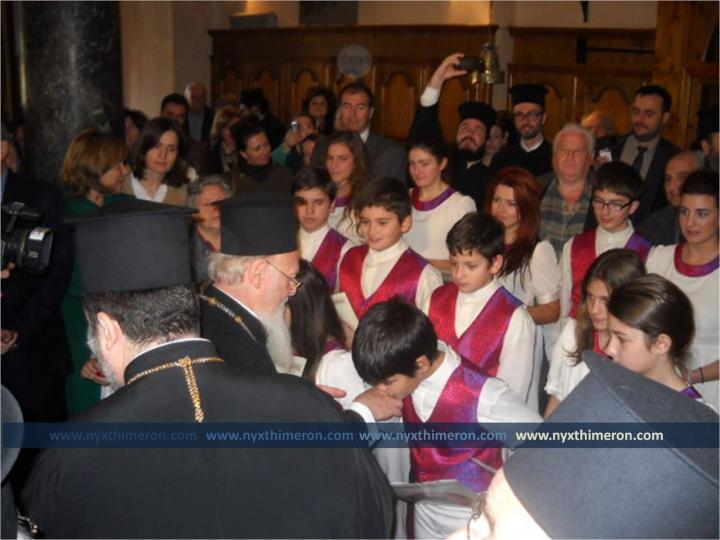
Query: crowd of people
x=217 y=266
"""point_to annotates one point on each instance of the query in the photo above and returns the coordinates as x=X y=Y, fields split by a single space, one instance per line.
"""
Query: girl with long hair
x=530 y=270
x=346 y=161
x=589 y=330
x=436 y=206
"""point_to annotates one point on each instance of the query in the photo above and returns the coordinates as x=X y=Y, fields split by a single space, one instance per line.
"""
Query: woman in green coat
x=93 y=172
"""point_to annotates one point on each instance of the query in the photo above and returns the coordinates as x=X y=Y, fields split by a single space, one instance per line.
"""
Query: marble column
x=71 y=76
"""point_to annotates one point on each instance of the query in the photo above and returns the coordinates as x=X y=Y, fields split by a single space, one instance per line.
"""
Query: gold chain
x=229 y=312
x=186 y=365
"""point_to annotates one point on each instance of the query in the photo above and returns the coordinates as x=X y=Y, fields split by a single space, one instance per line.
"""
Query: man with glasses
x=468 y=173
x=533 y=152
x=565 y=209
x=253 y=275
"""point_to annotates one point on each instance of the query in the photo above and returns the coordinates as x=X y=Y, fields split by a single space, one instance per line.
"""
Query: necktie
x=638 y=161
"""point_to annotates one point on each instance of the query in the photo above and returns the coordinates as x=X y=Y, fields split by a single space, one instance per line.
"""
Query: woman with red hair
x=530 y=271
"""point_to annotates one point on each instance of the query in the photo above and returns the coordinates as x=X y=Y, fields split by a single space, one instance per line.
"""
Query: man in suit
x=645 y=149
x=357 y=106
x=200 y=116
x=143 y=320
x=253 y=275
x=468 y=174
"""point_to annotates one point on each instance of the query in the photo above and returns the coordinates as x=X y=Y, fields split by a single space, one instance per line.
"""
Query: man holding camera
x=468 y=174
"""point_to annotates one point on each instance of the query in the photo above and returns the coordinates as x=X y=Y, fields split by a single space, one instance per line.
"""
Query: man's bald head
x=196 y=94
x=676 y=171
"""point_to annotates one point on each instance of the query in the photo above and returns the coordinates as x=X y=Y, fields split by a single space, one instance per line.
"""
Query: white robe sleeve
x=544 y=274
x=565 y=281
x=518 y=352
x=499 y=403
x=564 y=375
x=430 y=279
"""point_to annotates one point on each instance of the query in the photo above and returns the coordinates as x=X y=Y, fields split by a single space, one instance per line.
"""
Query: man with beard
x=645 y=149
x=253 y=275
x=142 y=311
x=533 y=152
x=468 y=174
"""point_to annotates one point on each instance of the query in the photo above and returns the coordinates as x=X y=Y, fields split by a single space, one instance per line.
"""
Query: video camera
x=27 y=247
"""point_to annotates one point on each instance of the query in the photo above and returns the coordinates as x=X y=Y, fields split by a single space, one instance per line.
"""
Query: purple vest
x=327 y=256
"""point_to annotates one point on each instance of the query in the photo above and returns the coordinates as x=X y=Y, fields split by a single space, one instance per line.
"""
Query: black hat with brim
x=133 y=245
x=478 y=110
x=635 y=492
x=257 y=224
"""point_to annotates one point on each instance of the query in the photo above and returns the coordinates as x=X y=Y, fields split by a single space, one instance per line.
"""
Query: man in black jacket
x=645 y=149
x=143 y=319
x=468 y=174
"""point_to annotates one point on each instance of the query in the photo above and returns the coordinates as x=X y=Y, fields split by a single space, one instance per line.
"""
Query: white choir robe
x=345 y=224
x=497 y=403
x=604 y=241
x=564 y=375
x=309 y=243
x=517 y=356
x=703 y=293
x=538 y=283
x=430 y=227
x=378 y=264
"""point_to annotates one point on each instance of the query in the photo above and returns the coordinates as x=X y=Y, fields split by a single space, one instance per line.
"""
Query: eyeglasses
x=614 y=206
x=296 y=283
x=532 y=115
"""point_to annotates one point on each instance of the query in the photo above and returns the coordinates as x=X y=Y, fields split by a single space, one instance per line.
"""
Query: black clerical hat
x=528 y=93
x=620 y=492
x=478 y=110
x=258 y=223
x=708 y=121
x=133 y=245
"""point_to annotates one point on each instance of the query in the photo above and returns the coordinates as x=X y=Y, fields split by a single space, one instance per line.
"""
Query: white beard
x=279 y=343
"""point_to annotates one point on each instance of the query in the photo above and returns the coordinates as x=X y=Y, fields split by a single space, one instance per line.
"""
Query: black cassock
x=538 y=161
x=240 y=342
x=204 y=492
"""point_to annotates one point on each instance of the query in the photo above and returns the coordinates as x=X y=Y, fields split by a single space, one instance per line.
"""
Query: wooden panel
x=399 y=90
x=303 y=80
x=230 y=83
x=615 y=103
x=285 y=62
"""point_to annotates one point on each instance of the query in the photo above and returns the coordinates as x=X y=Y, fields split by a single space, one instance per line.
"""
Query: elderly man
x=253 y=275
x=533 y=152
x=645 y=149
x=357 y=105
x=662 y=226
x=565 y=209
x=200 y=116
x=143 y=318
x=468 y=174
x=206 y=232
x=632 y=492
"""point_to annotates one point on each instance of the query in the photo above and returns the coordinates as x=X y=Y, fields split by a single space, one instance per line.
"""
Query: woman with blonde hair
x=223 y=153
x=92 y=174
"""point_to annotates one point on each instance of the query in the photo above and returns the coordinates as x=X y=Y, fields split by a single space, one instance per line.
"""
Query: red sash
x=327 y=256
x=458 y=403
x=482 y=342
x=402 y=280
x=582 y=255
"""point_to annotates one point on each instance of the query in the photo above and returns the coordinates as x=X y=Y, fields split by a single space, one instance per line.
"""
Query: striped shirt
x=558 y=224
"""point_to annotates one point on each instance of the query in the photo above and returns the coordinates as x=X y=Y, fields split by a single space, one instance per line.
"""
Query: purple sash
x=694 y=270
x=327 y=256
x=402 y=280
x=457 y=404
x=432 y=204
x=691 y=392
x=482 y=342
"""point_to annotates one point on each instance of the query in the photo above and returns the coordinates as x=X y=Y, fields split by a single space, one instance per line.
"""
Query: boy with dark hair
x=616 y=197
x=320 y=244
x=474 y=314
x=396 y=349
x=386 y=266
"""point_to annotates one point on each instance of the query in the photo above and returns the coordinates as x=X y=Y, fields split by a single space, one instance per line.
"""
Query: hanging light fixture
x=492 y=74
